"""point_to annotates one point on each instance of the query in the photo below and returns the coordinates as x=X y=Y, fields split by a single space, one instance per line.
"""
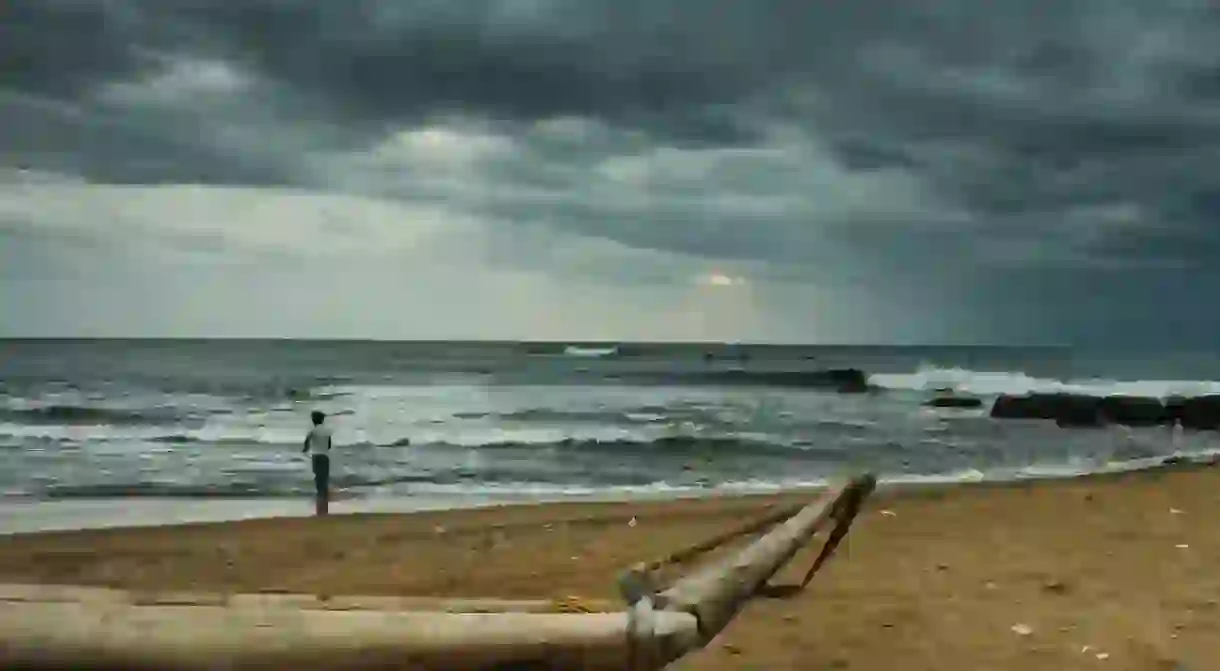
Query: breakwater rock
x=1197 y=412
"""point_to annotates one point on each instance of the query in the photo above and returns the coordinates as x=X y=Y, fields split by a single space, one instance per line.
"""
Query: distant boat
x=589 y=352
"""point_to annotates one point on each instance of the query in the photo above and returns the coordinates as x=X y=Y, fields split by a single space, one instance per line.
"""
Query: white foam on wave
x=540 y=492
x=499 y=436
x=994 y=383
x=290 y=435
x=536 y=491
x=122 y=401
x=106 y=433
x=546 y=492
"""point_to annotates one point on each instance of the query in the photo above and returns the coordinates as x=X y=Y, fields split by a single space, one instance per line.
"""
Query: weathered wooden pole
x=84 y=637
x=717 y=592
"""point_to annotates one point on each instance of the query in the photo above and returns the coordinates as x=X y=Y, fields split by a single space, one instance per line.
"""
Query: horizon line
x=514 y=341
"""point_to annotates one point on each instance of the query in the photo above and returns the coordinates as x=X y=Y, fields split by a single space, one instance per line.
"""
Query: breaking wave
x=79 y=415
x=994 y=383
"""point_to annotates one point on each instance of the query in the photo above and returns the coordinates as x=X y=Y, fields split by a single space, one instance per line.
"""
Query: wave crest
x=78 y=415
x=993 y=383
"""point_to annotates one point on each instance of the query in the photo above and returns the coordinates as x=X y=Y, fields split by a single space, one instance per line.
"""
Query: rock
x=1080 y=411
x=849 y=380
x=1075 y=410
x=1199 y=412
x=1055 y=587
x=1175 y=409
x=1133 y=410
x=1065 y=409
x=951 y=401
x=845 y=380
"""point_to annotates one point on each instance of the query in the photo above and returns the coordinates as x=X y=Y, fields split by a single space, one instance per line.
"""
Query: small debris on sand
x=1055 y=587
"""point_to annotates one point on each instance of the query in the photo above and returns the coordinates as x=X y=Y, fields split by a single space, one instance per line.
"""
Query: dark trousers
x=321 y=474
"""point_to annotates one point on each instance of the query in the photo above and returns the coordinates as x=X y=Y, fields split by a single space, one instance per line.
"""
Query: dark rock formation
x=951 y=401
x=846 y=380
x=1199 y=412
x=1064 y=409
x=849 y=380
x=1132 y=410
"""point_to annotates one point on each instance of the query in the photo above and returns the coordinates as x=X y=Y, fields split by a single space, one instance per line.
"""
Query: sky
x=874 y=171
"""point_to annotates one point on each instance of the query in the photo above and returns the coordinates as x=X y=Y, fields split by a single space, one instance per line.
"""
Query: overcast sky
x=878 y=171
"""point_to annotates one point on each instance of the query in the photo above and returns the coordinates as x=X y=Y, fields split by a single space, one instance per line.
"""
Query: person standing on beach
x=317 y=446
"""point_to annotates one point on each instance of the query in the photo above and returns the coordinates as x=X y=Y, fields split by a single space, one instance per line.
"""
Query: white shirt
x=319 y=440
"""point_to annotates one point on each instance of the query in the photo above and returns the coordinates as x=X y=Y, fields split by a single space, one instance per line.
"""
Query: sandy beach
x=1114 y=572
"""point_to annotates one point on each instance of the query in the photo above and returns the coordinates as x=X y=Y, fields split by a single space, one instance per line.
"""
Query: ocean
x=458 y=423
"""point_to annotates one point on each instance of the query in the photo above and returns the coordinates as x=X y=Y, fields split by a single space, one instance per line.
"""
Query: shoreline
x=1026 y=575
x=21 y=516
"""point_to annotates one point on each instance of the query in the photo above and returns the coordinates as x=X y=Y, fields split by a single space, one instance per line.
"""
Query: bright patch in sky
x=720 y=280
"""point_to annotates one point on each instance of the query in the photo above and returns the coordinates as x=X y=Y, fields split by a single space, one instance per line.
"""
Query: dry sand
x=1118 y=572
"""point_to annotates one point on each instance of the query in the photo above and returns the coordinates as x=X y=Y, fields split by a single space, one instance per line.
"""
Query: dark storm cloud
x=1050 y=144
x=378 y=61
x=880 y=74
x=59 y=47
x=64 y=137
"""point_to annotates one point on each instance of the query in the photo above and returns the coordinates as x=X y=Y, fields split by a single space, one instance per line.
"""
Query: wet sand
x=1113 y=572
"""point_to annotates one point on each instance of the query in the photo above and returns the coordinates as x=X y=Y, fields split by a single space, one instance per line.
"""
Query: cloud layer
x=872 y=171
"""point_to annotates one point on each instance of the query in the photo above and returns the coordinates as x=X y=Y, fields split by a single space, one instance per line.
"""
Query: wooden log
x=44 y=636
x=9 y=592
x=716 y=593
x=70 y=593
x=685 y=554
